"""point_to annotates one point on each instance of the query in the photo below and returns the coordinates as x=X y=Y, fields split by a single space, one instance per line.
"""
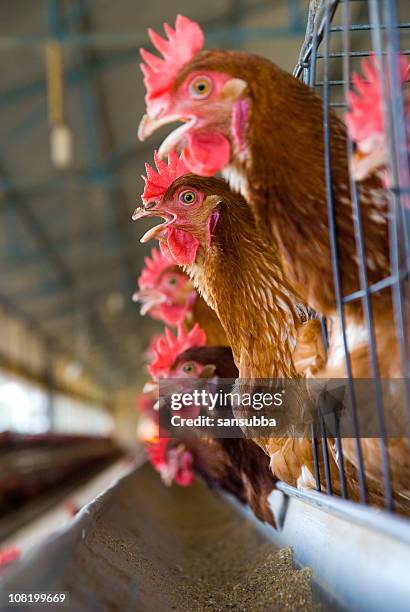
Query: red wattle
x=171 y=315
x=165 y=250
x=207 y=152
x=182 y=245
x=185 y=477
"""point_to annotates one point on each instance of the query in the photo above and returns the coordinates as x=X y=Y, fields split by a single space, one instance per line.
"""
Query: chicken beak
x=149 y=298
x=140 y=212
x=150 y=124
x=159 y=230
x=151 y=386
x=145 y=295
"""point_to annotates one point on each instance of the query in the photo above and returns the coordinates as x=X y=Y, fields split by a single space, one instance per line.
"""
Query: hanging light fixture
x=61 y=141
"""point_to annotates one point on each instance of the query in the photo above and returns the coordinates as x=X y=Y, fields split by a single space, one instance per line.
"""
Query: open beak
x=151 y=123
x=151 y=386
x=174 y=140
x=158 y=231
x=149 y=299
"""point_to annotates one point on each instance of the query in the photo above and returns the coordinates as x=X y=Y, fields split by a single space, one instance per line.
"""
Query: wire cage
x=340 y=33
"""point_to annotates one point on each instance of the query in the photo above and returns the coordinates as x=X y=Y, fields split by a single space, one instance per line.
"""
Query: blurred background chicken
x=164 y=291
x=365 y=119
x=168 y=295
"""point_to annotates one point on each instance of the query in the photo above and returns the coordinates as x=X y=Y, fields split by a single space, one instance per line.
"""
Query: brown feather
x=209 y=322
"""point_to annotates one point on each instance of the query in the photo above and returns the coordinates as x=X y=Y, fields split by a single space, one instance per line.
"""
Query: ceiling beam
x=36 y=229
x=212 y=26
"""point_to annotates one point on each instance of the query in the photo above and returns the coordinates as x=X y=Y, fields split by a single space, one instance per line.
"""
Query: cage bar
x=384 y=30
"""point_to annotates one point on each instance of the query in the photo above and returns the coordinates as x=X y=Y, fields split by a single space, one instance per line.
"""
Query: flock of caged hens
x=245 y=260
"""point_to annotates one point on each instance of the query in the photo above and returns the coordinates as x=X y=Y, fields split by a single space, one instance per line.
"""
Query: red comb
x=178 y=49
x=168 y=347
x=149 y=353
x=154 y=267
x=366 y=115
x=157 y=181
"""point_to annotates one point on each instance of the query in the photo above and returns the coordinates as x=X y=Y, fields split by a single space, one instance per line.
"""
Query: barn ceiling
x=69 y=253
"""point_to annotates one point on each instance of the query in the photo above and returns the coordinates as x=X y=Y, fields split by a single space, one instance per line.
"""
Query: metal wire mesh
x=340 y=33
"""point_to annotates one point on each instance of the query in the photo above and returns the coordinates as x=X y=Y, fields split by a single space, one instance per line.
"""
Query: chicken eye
x=188 y=368
x=188 y=197
x=200 y=87
x=172 y=281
